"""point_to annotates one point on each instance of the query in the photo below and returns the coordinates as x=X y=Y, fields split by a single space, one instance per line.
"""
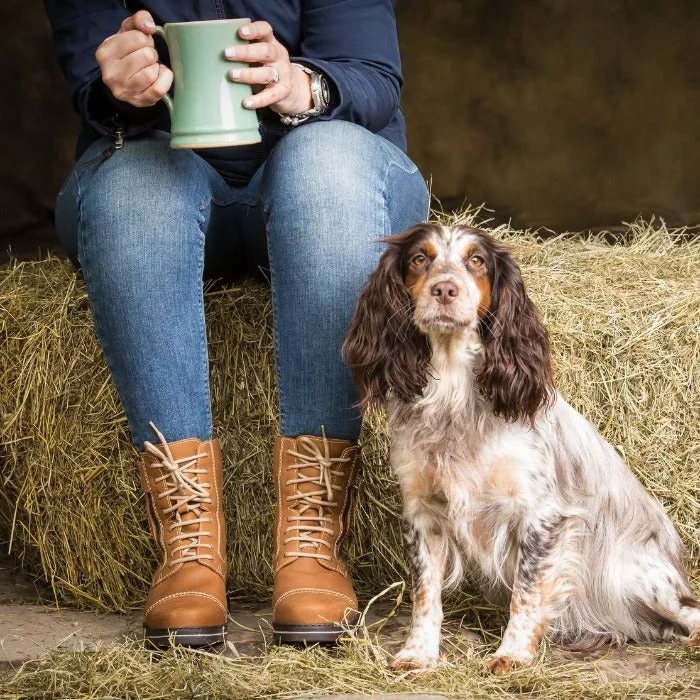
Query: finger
x=257 y=31
x=272 y=95
x=157 y=89
x=141 y=21
x=263 y=52
x=262 y=75
x=118 y=46
x=135 y=62
x=143 y=79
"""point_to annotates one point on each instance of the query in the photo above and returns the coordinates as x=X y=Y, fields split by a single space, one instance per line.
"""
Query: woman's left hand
x=285 y=89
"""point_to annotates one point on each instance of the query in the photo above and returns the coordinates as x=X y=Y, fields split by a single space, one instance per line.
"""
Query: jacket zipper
x=118 y=138
x=116 y=145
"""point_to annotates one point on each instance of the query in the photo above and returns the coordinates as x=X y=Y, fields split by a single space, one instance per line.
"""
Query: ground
x=29 y=630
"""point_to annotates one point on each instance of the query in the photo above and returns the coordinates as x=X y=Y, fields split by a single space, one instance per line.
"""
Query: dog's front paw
x=412 y=660
x=502 y=664
x=694 y=641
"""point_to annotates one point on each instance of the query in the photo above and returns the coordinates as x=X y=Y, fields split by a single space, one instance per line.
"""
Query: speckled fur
x=529 y=499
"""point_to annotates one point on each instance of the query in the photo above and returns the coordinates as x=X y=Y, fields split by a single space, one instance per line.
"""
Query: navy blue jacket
x=353 y=42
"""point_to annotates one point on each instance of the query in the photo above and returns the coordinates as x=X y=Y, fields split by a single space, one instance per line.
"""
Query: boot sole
x=309 y=634
x=185 y=636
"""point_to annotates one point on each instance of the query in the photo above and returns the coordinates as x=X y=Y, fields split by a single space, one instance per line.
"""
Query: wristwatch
x=320 y=96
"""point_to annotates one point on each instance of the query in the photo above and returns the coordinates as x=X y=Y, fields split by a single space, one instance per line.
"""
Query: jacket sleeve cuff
x=359 y=95
x=102 y=111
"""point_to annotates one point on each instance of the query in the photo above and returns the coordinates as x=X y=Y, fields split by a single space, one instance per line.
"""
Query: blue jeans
x=148 y=224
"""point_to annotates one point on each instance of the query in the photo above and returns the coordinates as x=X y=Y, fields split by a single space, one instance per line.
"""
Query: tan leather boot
x=313 y=593
x=187 y=602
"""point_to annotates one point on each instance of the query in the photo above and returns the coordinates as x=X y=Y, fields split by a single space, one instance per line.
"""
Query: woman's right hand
x=129 y=63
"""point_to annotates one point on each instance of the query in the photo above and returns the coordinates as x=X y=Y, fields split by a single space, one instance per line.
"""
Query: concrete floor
x=30 y=629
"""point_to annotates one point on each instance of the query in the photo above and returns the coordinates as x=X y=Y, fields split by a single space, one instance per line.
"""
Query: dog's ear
x=517 y=371
x=383 y=348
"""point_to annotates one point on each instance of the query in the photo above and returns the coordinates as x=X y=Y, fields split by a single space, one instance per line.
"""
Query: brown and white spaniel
x=499 y=475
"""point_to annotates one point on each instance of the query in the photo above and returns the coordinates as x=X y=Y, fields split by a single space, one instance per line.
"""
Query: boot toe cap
x=186 y=609
x=313 y=606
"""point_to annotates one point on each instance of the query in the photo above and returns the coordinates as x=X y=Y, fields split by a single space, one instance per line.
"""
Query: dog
x=498 y=474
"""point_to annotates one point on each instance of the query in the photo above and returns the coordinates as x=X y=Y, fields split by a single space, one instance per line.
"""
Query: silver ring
x=276 y=76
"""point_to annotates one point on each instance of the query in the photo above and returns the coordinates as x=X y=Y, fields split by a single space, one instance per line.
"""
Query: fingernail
x=245 y=31
x=248 y=103
x=230 y=52
x=150 y=25
x=235 y=74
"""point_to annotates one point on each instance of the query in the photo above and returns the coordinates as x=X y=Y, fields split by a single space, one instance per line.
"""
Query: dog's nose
x=445 y=292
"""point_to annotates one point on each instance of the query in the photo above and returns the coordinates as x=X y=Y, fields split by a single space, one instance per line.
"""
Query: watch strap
x=320 y=97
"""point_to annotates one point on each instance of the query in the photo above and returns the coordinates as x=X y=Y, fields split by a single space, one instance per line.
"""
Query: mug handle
x=166 y=98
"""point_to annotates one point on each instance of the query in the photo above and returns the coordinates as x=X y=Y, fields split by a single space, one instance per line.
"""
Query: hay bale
x=625 y=327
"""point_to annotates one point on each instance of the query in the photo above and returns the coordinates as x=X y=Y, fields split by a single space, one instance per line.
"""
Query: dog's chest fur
x=458 y=468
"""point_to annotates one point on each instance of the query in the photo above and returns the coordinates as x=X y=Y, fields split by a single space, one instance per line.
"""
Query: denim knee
x=144 y=201
x=334 y=162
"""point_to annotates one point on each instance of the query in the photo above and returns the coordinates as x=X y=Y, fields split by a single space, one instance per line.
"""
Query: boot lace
x=313 y=507
x=186 y=496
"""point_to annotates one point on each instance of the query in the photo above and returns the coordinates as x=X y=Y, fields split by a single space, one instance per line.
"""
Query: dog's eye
x=418 y=260
x=476 y=261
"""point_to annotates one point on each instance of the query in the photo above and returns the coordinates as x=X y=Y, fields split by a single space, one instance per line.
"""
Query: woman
x=147 y=224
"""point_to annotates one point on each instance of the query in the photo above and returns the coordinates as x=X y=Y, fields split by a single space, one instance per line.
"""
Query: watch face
x=325 y=93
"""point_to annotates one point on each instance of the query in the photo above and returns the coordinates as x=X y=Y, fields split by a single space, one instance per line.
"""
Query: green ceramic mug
x=206 y=110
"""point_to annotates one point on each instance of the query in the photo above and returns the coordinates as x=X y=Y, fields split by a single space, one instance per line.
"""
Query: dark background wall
x=564 y=114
